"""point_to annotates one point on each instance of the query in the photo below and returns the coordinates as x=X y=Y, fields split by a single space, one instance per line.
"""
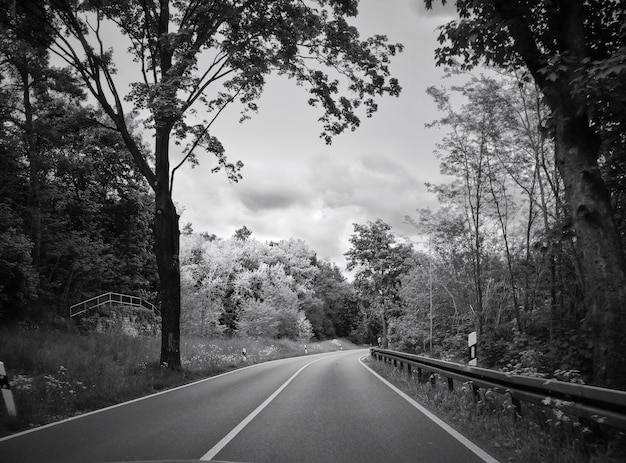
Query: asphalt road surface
x=318 y=408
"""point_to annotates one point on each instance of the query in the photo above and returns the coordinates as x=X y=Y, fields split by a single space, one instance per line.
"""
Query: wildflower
x=599 y=419
x=22 y=383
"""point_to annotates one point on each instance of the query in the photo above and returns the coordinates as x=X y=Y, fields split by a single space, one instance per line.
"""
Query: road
x=318 y=408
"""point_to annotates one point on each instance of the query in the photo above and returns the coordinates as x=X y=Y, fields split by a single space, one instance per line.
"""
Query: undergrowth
x=56 y=374
x=539 y=434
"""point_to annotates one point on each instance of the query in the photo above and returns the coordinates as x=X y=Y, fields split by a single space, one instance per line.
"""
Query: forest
x=509 y=253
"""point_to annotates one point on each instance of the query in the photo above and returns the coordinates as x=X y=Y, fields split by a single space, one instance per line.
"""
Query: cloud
x=269 y=197
x=296 y=186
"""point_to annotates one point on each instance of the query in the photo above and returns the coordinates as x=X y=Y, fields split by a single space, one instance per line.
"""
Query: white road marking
x=217 y=448
x=460 y=437
x=139 y=399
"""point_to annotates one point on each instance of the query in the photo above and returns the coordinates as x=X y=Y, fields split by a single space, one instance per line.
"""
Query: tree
x=465 y=153
x=246 y=287
x=243 y=233
x=83 y=207
x=17 y=276
x=379 y=263
x=574 y=51
x=184 y=49
x=23 y=49
x=333 y=309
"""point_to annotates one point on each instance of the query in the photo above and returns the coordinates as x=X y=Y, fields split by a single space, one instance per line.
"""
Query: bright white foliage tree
x=265 y=282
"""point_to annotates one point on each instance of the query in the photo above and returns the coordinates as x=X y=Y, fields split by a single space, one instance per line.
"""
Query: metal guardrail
x=605 y=406
x=112 y=298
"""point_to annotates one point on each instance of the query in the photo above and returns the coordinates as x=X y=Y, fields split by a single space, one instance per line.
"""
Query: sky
x=296 y=186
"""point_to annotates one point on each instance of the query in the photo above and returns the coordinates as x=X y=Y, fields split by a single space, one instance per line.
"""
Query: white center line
x=237 y=429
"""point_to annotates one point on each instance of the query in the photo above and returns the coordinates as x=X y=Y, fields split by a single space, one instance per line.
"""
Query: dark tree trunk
x=577 y=151
x=35 y=169
x=166 y=243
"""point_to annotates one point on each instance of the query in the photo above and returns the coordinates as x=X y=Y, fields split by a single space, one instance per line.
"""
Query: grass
x=57 y=373
x=492 y=422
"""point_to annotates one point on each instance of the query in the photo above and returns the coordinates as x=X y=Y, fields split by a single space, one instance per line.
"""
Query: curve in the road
x=336 y=409
x=314 y=409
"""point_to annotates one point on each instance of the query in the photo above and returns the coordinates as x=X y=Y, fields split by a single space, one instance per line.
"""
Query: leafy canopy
x=219 y=52
x=574 y=50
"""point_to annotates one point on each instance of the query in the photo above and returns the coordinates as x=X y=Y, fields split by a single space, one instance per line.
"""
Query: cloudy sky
x=294 y=185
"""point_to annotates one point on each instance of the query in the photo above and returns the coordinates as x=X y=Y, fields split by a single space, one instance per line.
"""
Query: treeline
x=500 y=255
x=75 y=214
x=77 y=218
x=241 y=286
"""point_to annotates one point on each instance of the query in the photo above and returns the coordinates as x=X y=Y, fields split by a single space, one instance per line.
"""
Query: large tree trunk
x=577 y=151
x=166 y=242
x=35 y=168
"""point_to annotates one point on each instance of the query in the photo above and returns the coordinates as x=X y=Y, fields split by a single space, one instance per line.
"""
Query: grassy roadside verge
x=541 y=435
x=56 y=374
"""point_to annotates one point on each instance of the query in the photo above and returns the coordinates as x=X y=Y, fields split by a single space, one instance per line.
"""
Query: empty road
x=318 y=408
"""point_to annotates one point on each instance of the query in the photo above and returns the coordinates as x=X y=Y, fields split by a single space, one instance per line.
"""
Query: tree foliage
x=74 y=207
x=574 y=51
x=379 y=263
x=525 y=299
x=193 y=60
x=252 y=289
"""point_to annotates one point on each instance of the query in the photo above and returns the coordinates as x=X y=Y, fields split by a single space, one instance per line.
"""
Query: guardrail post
x=517 y=407
x=420 y=375
x=433 y=380
x=408 y=369
x=450 y=384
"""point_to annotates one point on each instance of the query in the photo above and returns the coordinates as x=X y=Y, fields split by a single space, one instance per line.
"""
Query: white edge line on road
x=138 y=399
x=217 y=448
x=458 y=436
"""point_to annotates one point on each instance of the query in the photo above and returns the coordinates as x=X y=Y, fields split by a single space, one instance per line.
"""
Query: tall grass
x=540 y=434
x=56 y=373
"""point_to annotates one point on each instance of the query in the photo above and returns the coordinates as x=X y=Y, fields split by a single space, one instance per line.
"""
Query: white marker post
x=471 y=343
x=6 y=391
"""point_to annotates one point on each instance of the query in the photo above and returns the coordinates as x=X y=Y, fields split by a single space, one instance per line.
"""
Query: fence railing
x=112 y=298
x=606 y=406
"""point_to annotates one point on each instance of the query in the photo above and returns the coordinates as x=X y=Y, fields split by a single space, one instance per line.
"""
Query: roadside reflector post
x=471 y=344
x=7 y=395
